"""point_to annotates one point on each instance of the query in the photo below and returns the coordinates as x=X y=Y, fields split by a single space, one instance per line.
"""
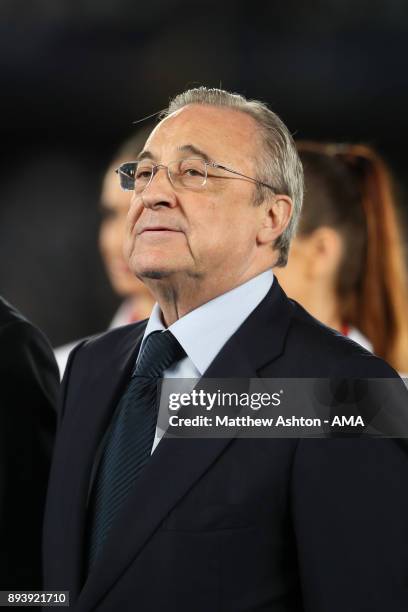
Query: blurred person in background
x=28 y=392
x=137 y=299
x=346 y=265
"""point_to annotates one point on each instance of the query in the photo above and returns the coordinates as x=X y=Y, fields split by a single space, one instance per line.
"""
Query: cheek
x=130 y=221
x=111 y=237
x=105 y=237
x=222 y=232
x=133 y=214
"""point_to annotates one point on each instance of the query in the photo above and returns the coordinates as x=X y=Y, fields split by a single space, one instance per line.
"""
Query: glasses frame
x=208 y=163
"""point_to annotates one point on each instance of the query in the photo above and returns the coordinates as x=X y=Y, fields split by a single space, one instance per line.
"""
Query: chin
x=153 y=266
x=154 y=274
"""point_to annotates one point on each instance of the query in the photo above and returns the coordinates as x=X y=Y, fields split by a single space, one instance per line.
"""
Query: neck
x=176 y=299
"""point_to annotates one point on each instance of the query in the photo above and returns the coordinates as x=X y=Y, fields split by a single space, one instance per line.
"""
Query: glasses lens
x=126 y=173
x=190 y=173
x=143 y=174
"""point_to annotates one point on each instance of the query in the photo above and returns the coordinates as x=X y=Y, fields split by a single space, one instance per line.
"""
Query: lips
x=158 y=228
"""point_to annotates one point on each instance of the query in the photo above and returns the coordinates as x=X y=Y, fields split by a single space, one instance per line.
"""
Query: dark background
x=75 y=75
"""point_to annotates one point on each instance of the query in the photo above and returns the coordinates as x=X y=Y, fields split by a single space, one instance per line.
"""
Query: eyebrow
x=188 y=148
x=144 y=155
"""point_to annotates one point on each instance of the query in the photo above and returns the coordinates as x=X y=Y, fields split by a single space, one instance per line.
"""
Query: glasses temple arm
x=215 y=165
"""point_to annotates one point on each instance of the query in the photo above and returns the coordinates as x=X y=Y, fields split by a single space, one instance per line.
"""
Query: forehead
x=224 y=134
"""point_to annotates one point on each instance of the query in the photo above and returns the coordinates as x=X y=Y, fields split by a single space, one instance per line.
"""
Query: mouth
x=158 y=228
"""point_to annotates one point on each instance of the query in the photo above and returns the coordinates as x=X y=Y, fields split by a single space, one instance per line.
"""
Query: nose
x=159 y=192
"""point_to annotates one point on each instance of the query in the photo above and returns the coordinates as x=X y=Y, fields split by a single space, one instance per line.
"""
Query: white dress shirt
x=203 y=332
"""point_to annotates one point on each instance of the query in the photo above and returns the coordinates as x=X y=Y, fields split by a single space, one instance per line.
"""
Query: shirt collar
x=204 y=331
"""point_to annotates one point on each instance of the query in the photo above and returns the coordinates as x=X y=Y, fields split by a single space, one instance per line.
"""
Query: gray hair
x=278 y=162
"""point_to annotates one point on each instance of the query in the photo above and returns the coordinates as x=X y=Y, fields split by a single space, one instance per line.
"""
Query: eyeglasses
x=190 y=173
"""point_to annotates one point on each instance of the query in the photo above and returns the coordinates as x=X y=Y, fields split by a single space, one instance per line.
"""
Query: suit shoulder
x=9 y=314
x=19 y=335
x=100 y=353
x=108 y=340
x=341 y=355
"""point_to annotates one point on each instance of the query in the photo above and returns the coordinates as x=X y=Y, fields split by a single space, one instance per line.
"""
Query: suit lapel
x=178 y=463
x=93 y=403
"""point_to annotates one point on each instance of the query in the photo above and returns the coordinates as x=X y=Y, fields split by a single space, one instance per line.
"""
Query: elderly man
x=135 y=522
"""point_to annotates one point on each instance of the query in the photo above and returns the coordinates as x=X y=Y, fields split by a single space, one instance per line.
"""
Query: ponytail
x=377 y=302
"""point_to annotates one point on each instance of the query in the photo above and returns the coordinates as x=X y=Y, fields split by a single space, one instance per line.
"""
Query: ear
x=277 y=214
x=325 y=252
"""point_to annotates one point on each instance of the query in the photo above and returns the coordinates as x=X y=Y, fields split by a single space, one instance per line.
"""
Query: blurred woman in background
x=137 y=300
x=346 y=265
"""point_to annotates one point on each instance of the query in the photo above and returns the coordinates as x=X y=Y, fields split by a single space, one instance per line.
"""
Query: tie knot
x=160 y=351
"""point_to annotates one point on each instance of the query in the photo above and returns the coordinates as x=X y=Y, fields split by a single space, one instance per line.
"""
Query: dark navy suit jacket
x=29 y=383
x=233 y=525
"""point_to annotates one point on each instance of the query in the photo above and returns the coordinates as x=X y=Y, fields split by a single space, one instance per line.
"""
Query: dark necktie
x=130 y=440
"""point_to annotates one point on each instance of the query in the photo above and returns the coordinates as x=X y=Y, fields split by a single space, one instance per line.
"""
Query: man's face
x=202 y=233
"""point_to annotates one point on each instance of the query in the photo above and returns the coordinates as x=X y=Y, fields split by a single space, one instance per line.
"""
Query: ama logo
x=348 y=421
